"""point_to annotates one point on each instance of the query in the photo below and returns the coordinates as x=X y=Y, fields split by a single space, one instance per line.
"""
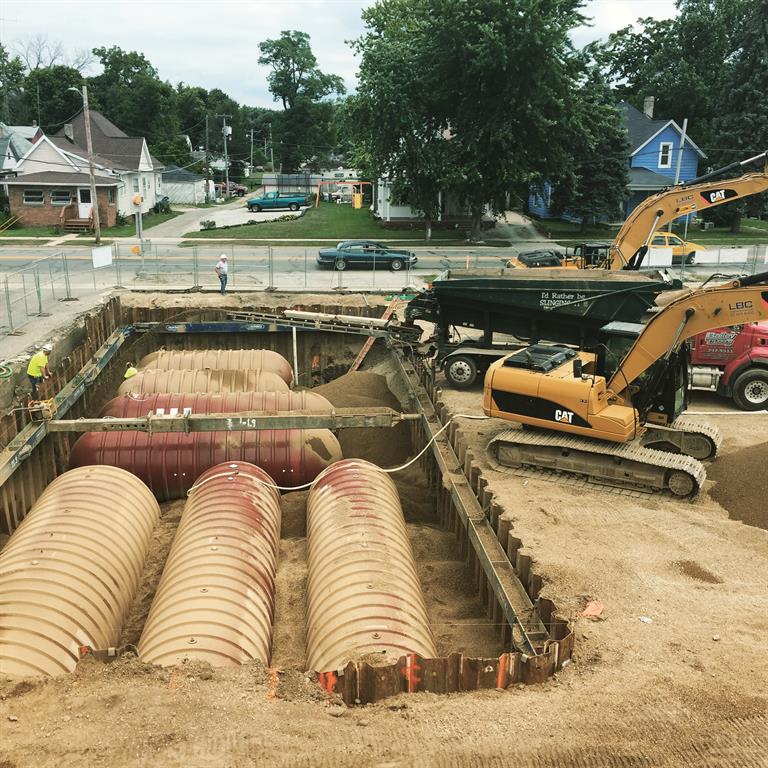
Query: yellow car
x=681 y=249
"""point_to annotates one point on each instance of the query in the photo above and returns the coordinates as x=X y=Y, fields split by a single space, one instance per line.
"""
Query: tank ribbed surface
x=220 y=359
x=206 y=381
x=216 y=598
x=170 y=462
x=69 y=573
x=364 y=596
x=133 y=406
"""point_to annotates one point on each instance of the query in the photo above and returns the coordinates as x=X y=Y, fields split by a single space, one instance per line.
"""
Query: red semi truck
x=733 y=362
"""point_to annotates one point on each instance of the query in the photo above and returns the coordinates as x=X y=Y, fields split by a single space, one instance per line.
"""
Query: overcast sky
x=214 y=44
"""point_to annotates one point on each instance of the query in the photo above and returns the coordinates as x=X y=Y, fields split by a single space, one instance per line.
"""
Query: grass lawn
x=126 y=230
x=29 y=232
x=338 y=222
x=566 y=233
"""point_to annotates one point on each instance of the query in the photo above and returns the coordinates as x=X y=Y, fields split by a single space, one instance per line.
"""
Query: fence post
x=39 y=293
x=195 y=274
x=24 y=293
x=50 y=277
x=271 y=267
x=305 y=267
x=8 y=305
x=116 y=259
x=67 y=285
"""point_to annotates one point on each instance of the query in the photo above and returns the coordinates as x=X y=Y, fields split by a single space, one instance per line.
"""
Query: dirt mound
x=361 y=389
x=738 y=486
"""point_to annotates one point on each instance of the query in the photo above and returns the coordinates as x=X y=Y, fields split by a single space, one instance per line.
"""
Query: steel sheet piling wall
x=220 y=359
x=210 y=381
x=215 y=601
x=364 y=596
x=69 y=573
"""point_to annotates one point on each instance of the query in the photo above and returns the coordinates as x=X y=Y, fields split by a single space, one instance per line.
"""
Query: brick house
x=52 y=183
x=52 y=188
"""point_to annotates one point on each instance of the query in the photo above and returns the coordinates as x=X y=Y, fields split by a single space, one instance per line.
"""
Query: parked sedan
x=680 y=248
x=365 y=252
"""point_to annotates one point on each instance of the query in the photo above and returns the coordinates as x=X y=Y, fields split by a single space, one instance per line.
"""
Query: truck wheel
x=396 y=265
x=256 y=208
x=293 y=207
x=461 y=371
x=750 y=391
x=340 y=265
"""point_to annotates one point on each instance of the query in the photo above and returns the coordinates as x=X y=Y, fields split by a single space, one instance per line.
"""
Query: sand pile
x=740 y=485
x=361 y=389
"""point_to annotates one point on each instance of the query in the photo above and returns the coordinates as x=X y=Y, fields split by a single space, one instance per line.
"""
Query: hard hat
x=129 y=365
x=47 y=347
x=223 y=256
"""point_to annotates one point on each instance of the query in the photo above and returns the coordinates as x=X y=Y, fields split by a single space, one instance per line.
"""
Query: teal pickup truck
x=273 y=200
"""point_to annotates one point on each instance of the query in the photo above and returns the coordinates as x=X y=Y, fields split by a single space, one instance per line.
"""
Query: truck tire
x=294 y=207
x=750 y=390
x=256 y=208
x=396 y=265
x=461 y=371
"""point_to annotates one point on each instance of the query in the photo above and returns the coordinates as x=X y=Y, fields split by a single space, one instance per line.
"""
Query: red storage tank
x=219 y=359
x=134 y=406
x=208 y=380
x=170 y=462
x=216 y=598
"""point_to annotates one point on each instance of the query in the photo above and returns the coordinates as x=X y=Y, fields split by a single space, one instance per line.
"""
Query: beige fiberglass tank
x=69 y=573
x=363 y=595
x=216 y=598
x=219 y=359
x=208 y=380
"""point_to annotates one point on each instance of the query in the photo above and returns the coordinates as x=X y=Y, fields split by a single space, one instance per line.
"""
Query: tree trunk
x=428 y=230
x=476 y=231
x=735 y=223
x=583 y=228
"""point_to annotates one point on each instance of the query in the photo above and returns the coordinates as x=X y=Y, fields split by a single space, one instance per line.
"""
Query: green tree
x=480 y=94
x=11 y=83
x=295 y=74
x=683 y=62
x=304 y=132
x=594 y=184
x=742 y=117
x=48 y=99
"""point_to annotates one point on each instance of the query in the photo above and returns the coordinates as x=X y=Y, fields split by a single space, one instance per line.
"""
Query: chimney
x=648 y=106
x=68 y=132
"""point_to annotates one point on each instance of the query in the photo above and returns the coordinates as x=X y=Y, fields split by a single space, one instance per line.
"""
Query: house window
x=136 y=185
x=665 y=154
x=144 y=184
x=33 y=197
x=61 y=197
x=111 y=195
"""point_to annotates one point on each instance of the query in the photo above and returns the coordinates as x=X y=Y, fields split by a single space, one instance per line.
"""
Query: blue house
x=653 y=155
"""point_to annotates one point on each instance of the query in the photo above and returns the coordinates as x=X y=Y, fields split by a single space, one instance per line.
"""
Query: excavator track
x=624 y=465
x=687 y=436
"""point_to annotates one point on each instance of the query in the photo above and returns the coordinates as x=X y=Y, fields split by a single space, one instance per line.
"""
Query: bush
x=207 y=224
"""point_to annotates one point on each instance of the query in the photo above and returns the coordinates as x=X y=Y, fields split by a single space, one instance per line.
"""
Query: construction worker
x=221 y=270
x=37 y=370
x=130 y=371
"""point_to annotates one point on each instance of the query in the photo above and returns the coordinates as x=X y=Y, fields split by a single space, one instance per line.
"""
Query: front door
x=84 y=203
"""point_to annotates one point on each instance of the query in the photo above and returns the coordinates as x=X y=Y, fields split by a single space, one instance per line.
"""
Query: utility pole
x=225 y=131
x=207 y=165
x=89 y=147
x=271 y=148
x=250 y=169
x=679 y=163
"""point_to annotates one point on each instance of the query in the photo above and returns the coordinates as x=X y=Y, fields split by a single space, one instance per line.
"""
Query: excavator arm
x=736 y=302
x=631 y=244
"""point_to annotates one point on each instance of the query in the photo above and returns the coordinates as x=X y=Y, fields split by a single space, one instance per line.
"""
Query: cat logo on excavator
x=564 y=416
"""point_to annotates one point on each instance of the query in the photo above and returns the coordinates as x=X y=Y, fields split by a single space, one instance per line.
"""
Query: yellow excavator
x=615 y=414
x=629 y=248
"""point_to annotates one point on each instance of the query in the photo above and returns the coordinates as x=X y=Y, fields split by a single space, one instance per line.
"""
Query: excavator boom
x=740 y=301
x=631 y=244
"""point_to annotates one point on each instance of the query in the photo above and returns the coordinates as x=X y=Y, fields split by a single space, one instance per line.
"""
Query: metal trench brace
x=501 y=576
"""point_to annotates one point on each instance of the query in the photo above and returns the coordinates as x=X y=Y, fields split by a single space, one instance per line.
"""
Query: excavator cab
x=660 y=394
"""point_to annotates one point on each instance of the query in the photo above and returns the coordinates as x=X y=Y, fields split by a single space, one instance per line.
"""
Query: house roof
x=27 y=132
x=643 y=179
x=641 y=128
x=66 y=145
x=13 y=142
x=174 y=173
x=123 y=152
x=54 y=178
